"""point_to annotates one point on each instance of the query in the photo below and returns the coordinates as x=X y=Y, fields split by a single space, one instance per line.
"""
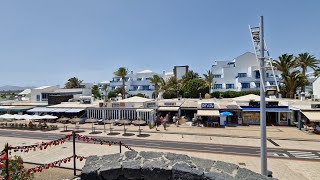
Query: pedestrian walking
x=175 y=120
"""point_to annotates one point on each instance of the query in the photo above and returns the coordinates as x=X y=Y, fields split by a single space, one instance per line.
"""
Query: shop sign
x=207 y=105
x=169 y=103
x=151 y=104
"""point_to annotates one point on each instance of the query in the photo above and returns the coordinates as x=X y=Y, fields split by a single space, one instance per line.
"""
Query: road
x=291 y=154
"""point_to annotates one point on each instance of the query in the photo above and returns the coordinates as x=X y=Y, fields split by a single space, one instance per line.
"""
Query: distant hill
x=14 y=88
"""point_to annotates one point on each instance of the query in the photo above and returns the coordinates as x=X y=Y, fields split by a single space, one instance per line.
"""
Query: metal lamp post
x=263 y=128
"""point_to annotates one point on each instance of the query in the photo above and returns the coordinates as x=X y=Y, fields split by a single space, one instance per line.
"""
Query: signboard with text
x=169 y=103
x=207 y=105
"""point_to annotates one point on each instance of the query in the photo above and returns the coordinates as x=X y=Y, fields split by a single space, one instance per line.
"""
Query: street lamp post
x=263 y=148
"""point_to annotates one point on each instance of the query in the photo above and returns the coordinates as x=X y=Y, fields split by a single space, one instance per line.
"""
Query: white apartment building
x=241 y=74
x=138 y=82
x=41 y=94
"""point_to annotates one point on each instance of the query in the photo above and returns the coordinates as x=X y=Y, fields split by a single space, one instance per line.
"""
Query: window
x=126 y=79
x=217 y=86
x=38 y=97
x=134 y=88
x=148 y=79
x=257 y=74
x=139 y=79
x=245 y=85
x=242 y=75
x=216 y=76
x=113 y=88
x=267 y=75
x=257 y=85
x=229 y=86
x=145 y=88
x=44 y=96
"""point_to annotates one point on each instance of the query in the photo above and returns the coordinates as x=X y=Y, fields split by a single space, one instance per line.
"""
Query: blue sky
x=46 y=42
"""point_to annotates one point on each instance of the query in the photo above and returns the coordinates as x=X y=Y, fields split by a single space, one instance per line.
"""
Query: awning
x=168 y=108
x=313 y=116
x=60 y=110
x=144 y=110
x=40 y=109
x=74 y=110
x=268 y=109
x=208 y=113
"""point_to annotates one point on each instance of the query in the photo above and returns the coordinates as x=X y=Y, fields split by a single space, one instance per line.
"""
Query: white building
x=180 y=71
x=316 y=88
x=241 y=74
x=42 y=93
x=137 y=82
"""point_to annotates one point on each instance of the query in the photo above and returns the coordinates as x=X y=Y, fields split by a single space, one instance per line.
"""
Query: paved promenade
x=241 y=136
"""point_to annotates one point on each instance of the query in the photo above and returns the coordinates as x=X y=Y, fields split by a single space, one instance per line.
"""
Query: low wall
x=161 y=166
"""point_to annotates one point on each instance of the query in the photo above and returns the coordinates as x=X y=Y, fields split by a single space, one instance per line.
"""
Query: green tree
x=208 y=78
x=194 y=87
x=95 y=92
x=3 y=96
x=74 y=83
x=122 y=72
x=105 y=88
x=317 y=72
x=286 y=64
x=156 y=80
x=139 y=95
x=305 y=61
x=112 y=94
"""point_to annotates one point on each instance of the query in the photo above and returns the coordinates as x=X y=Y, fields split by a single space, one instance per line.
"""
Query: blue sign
x=207 y=105
x=169 y=103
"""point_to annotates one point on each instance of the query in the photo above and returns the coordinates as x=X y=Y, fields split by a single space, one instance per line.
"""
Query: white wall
x=316 y=88
x=35 y=92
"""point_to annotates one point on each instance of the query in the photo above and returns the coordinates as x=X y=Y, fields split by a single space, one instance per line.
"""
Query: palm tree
x=122 y=72
x=305 y=61
x=286 y=65
x=105 y=88
x=156 y=80
x=317 y=72
x=208 y=78
x=292 y=81
x=74 y=83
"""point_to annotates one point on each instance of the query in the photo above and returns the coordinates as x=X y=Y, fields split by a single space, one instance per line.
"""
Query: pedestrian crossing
x=305 y=154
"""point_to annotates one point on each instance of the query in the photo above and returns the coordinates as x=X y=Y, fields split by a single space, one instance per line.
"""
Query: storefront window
x=283 y=118
x=251 y=117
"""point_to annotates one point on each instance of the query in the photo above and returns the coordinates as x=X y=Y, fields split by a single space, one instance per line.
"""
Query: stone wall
x=161 y=166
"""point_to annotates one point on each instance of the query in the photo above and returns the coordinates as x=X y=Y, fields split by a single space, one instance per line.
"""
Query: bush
x=233 y=94
x=16 y=169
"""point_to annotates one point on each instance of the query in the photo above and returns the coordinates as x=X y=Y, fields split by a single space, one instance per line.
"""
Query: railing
x=8 y=150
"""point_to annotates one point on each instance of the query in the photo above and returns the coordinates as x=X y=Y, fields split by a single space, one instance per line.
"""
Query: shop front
x=279 y=115
x=208 y=113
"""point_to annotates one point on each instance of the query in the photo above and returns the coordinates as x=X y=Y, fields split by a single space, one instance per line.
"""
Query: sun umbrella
x=139 y=122
x=108 y=122
x=63 y=120
x=36 y=117
x=7 y=116
x=75 y=120
x=91 y=121
x=124 y=122
x=226 y=114
x=49 y=117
